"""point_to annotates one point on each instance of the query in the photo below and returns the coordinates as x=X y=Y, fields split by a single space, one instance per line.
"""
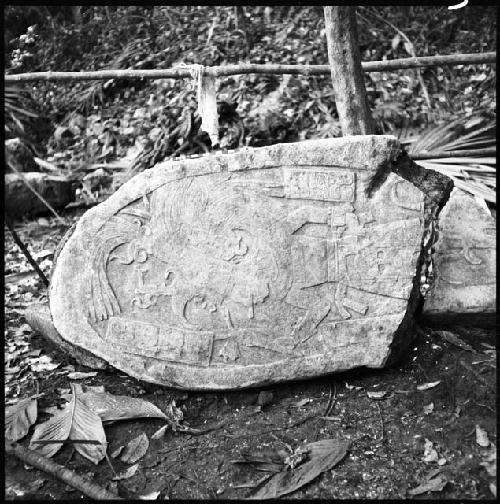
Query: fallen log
x=21 y=201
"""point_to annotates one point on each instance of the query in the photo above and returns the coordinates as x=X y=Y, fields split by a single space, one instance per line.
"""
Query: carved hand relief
x=247 y=268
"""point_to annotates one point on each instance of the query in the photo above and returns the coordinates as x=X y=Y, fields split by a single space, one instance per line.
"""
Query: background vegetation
x=106 y=119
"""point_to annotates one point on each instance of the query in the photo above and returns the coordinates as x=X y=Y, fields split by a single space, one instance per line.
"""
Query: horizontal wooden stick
x=225 y=70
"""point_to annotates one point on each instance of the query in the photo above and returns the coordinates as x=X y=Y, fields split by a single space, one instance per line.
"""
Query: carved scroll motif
x=404 y=198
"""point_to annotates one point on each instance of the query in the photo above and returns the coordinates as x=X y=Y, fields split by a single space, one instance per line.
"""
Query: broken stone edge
x=382 y=151
x=437 y=189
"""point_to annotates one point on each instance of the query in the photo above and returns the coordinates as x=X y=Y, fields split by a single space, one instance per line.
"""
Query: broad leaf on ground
x=20 y=417
x=322 y=456
x=136 y=449
x=111 y=407
x=75 y=422
x=433 y=485
x=128 y=473
x=482 y=437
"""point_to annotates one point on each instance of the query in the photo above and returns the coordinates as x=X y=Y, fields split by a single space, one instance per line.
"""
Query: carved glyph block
x=464 y=260
x=243 y=269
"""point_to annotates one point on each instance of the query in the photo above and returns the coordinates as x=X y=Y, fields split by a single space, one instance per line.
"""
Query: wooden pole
x=347 y=75
x=245 y=69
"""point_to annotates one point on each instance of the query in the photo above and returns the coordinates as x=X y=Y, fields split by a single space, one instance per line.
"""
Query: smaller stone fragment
x=38 y=317
x=464 y=262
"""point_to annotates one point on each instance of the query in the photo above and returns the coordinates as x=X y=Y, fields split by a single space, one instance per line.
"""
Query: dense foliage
x=269 y=109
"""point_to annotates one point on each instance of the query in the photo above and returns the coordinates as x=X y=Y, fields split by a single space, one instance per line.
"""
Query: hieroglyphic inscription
x=169 y=344
x=323 y=185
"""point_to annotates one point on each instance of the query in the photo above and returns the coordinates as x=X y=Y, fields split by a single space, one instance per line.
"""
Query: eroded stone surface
x=243 y=269
x=464 y=260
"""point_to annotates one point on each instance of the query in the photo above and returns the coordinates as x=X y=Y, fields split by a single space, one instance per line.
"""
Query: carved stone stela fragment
x=465 y=260
x=234 y=270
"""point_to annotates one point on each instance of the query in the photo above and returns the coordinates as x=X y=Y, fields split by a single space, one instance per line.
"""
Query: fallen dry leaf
x=352 y=387
x=302 y=402
x=266 y=460
x=433 y=485
x=111 y=407
x=43 y=363
x=117 y=452
x=160 y=432
x=128 y=473
x=429 y=408
x=427 y=386
x=322 y=456
x=490 y=460
x=150 y=496
x=20 y=417
x=493 y=489
x=455 y=340
x=136 y=449
x=377 y=395
x=482 y=437
x=430 y=454
x=77 y=375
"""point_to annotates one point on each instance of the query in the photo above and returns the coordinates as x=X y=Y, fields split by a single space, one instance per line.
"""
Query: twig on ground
x=477 y=375
x=204 y=430
x=83 y=485
x=485 y=406
x=110 y=465
x=275 y=429
x=25 y=251
x=381 y=421
x=331 y=402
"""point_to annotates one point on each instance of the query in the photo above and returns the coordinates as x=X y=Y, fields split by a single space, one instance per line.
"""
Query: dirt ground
x=398 y=441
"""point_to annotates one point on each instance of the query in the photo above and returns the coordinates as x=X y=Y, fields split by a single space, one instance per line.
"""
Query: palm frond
x=20 y=112
x=475 y=170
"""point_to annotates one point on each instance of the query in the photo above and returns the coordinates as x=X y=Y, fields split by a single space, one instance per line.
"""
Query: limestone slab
x=464 y=261
x=244 y=269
